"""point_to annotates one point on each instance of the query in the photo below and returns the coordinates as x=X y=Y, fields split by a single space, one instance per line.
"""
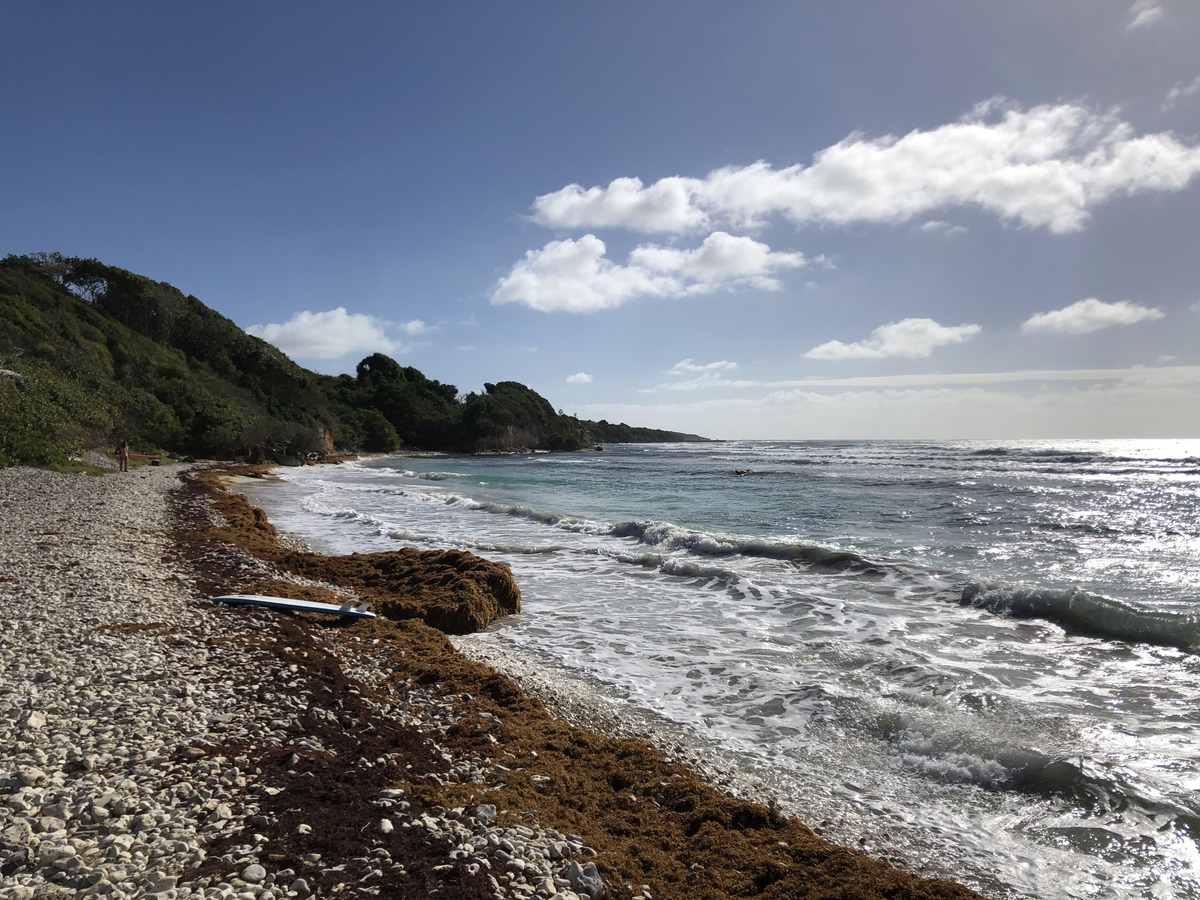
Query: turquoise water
x=976 y=659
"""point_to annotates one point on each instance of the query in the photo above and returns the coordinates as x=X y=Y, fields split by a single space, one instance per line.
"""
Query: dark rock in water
x=284 y=460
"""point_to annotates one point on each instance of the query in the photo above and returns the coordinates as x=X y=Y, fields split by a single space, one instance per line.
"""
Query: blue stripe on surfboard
x=298 y=605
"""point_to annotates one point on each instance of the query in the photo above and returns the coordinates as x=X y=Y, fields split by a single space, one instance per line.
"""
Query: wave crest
x=1083 y=612
x=703 y=543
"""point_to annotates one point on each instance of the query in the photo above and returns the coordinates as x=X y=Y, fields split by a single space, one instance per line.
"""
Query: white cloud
x=1186 y=374
x=704 y=375
x=706 y=380
x=1046 y=167
x=1126 y=408
x=1179 y=90
x=579 y=378
x=334 y=333
x=1163 y=373
x=625 y=203
x=910 y=338
x=687 y=367
x=1144 y=13
x=721 y=259
x=1091 y=315
x=1119 y=404
x=575 y=275
x=937 y=225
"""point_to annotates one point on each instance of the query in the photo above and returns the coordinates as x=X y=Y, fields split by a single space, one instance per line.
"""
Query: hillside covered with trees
x=91 y=354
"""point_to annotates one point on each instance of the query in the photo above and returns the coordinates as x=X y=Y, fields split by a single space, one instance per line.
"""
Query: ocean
x=978 y=660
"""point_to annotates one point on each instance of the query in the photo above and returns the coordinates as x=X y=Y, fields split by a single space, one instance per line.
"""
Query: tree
x=378 y=434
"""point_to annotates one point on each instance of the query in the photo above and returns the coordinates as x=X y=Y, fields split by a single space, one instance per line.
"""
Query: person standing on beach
x=123 y=455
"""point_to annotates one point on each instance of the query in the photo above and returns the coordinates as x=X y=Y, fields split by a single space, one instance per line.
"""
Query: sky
x=768 y=219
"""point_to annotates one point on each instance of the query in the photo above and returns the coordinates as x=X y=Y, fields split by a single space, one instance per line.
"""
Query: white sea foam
x=904 y=641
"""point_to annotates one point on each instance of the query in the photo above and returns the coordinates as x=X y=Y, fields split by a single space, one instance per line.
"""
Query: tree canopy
x=91 y=354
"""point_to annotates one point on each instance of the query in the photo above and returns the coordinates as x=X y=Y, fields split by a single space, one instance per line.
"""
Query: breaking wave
x=702 y=543
x=1088 y=786
x=1081 y=612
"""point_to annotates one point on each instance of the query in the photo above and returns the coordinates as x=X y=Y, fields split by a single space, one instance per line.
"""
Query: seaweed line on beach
x=315 y=757
x=650 y=820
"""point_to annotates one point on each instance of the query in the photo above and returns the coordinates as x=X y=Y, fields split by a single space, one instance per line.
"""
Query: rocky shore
x=156 y=744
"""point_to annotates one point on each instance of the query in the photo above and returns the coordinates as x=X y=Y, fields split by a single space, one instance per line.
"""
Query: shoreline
x=317 y=732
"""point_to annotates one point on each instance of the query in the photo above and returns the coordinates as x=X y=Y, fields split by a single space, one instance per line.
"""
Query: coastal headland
x=156 y=744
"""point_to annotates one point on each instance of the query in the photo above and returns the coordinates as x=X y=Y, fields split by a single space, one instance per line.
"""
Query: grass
x=76 y=466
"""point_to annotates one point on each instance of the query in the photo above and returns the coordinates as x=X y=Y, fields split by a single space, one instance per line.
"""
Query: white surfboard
x=349 y=608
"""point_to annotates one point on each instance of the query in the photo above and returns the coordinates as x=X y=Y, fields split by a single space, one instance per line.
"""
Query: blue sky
x=759 y=220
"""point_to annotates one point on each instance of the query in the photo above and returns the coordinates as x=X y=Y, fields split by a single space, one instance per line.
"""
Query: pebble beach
x=155 y=744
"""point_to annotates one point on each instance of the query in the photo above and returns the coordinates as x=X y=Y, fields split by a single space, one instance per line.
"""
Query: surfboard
x=349 y=608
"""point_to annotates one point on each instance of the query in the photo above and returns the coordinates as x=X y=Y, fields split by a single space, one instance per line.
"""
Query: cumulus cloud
x=1091 y=315
x=576 y=275
x=1144 y=13
x=579 y=378
x=625 y=203
x=912 y=338
x=334 y=333
x=1045 y=167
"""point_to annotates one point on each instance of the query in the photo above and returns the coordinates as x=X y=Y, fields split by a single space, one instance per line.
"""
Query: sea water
x=978 y=660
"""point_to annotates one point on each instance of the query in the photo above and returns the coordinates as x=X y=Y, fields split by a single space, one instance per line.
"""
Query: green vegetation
x=91 y=354
x=77 y=467
x=510 y=415
x=606 y=433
